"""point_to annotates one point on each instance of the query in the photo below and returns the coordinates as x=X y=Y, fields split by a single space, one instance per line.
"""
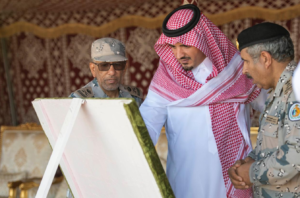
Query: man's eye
x=105 y=65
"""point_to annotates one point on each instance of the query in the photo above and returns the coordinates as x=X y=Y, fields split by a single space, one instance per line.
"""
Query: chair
x=24 y=155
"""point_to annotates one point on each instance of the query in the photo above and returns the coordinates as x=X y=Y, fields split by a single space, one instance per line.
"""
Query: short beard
x=188 y=68
x=110 y=87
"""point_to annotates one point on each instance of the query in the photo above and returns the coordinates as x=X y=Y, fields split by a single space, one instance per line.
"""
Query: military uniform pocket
x=270 y=130
x=270 y=136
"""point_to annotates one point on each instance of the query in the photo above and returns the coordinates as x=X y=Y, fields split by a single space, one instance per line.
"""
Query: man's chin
x=187 y=68
x=111 y=87
x=258 y=86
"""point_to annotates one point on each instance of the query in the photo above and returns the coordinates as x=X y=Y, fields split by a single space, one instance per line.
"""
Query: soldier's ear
x=93 y=69
x=266 y=59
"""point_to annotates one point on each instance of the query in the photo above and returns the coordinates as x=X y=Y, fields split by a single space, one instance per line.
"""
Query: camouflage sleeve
x=283 y=163
x=138 y=100
x=252 y=154
x=72 y=95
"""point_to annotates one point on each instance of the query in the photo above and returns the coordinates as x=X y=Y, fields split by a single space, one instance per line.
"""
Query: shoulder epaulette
x=85 y=92
x=134 y=91
x=288 y=86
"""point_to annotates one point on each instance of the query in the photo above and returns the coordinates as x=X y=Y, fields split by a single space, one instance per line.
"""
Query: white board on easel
x=102 y=156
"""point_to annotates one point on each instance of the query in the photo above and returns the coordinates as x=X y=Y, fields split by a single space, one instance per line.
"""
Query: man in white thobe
x=202 y=98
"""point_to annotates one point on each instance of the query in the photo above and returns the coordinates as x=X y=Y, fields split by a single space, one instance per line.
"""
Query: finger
x=233 y=175
x=238 y=163
x=240 y=187
x=238 y=183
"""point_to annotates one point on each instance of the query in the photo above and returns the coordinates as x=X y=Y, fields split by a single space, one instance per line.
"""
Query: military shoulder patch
x=294 y=112
x=85 y=92
x=134 y=91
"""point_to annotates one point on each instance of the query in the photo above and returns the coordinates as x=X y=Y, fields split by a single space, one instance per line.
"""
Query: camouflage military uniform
x=276 y=170
x=93 y=90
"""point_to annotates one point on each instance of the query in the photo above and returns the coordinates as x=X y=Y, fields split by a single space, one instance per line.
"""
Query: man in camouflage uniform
x=273 y=167
x=108 y=67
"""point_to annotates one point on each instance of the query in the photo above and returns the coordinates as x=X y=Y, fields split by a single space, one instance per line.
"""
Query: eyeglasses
x=106 y=65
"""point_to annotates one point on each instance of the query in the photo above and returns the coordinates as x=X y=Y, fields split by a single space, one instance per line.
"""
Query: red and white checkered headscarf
x=172 y=82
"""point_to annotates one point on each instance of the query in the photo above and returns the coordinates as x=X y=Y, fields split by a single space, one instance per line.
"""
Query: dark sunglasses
x=106 y=65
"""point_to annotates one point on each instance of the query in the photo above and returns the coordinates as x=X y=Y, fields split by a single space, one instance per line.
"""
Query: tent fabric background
x=54 y=67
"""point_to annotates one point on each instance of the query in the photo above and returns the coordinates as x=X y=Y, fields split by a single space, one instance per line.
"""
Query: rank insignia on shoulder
x=134 y=91
x=85 y=92
x=288 y=86
x=294 y=112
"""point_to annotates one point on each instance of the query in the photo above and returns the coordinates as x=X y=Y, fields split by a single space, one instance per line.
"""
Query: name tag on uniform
x=272 y=119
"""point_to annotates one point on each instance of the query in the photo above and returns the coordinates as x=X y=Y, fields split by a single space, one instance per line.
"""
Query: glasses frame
x=100 y=65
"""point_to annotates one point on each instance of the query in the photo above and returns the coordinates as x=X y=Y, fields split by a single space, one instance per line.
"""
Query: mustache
x=111 y=78
x=248 y=76
x=184 y=58
x=188 y=69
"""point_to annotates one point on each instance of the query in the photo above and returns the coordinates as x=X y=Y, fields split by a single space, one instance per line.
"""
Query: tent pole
x=8 y=82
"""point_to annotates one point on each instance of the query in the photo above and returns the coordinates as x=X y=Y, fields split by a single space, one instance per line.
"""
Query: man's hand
x=234 y=172
x=243 y=171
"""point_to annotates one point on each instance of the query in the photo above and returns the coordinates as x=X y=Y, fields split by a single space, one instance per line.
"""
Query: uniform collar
x=285 y=76
x=123 y=93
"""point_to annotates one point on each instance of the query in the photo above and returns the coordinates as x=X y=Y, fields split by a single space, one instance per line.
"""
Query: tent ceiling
x=8 y=6
x=17 y=6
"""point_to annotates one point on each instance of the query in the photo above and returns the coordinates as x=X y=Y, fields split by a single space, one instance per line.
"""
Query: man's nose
x=111 y=70
x=244 y=69
x=178 y=53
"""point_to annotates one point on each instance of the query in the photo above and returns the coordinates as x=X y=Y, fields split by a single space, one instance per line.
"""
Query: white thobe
x=193 y=164
x=296 y=82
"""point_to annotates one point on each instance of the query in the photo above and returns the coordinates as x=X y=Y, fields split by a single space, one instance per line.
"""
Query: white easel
x=59 y=147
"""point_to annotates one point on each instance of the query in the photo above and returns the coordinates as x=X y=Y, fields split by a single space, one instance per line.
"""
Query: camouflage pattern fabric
x=107 y=50
x=276 y=170
x=93 y=90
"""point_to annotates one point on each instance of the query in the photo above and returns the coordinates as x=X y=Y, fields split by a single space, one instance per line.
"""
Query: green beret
x=260 y=33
